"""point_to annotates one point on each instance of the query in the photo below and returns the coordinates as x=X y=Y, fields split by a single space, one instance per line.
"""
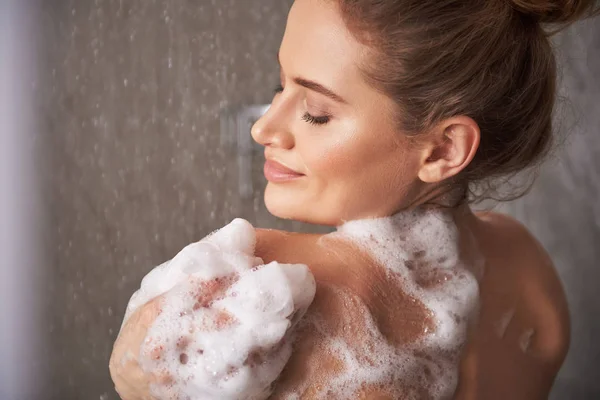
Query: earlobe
x=451 y=151
x=431 y=172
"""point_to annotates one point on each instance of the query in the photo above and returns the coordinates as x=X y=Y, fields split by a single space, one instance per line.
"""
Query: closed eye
x=311 y=119
x=320 y=120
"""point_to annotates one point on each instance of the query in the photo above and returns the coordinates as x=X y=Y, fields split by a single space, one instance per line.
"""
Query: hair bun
x=557 y=11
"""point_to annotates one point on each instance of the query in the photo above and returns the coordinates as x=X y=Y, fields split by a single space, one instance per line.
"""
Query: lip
x=276 y=172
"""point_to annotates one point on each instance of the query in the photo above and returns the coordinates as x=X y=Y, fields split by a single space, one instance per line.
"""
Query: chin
x=287 y=203
x=283 y=202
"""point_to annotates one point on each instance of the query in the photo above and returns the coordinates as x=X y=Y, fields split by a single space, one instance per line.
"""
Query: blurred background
x=124 y=137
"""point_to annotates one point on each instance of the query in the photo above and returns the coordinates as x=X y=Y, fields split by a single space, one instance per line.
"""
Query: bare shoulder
x=299 y=248
x=283 y=246
x=267 y=241
x=540 y=295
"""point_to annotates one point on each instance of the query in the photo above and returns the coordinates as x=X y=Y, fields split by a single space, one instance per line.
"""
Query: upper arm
x=543 y=298
x=550 y=310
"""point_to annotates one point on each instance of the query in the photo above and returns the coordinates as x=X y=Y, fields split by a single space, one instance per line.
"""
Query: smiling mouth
x=275 y=172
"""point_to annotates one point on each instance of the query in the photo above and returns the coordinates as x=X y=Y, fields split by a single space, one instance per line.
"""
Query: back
x=522 y=335
x=514 y=349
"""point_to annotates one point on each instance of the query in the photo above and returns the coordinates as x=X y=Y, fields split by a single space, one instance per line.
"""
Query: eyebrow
x=316 y=87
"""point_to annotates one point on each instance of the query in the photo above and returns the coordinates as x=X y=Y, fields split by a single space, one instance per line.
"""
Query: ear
x=453 y=146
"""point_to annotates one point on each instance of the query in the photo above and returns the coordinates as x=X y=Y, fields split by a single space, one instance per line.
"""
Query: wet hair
x=491 y=60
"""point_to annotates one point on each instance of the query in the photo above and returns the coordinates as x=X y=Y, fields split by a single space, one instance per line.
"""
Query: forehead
x=317 y=44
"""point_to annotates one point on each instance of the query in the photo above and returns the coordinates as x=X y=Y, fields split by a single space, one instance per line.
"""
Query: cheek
x=356 y=161
x=371 y=175
x=333 y=156
x=325 y=164
x=331 y=169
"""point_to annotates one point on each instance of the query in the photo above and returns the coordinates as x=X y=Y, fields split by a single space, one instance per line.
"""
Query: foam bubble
x=419 y=251
x=225 y=321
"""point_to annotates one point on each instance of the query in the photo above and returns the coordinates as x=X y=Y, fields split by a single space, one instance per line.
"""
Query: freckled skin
x=359 y=165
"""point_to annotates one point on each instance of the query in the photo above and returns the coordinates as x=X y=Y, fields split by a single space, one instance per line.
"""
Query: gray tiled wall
x=131 y=94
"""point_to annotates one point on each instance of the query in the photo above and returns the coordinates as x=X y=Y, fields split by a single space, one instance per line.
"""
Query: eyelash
x=315 y=120
x=311 y=119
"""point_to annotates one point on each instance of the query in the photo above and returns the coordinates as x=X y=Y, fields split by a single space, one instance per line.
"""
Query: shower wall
x=132 y=93
x=563 y=209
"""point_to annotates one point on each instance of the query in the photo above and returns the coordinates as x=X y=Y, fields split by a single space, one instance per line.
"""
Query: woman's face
x=331 y=128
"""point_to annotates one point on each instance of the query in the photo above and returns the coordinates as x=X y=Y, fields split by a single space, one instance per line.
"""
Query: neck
x=446 y=195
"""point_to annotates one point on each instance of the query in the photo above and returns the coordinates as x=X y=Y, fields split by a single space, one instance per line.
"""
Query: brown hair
x=490 y=60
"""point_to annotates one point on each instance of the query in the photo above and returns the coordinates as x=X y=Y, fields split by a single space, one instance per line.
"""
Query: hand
x=130 y=380
x=170 y=346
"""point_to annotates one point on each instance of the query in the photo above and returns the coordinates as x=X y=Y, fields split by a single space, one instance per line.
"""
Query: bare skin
x=499 y=362
x=348 y=161
x=520 y=359
x=514 y=351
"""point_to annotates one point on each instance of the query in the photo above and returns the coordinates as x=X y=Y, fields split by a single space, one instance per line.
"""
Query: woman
x=388 y=106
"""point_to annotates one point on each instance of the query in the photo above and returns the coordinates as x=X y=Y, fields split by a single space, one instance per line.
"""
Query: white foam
x=419 y=251
x=226 y=320
x=223 y=331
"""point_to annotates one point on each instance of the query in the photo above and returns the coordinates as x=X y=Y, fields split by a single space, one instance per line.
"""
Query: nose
x=271 y=130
